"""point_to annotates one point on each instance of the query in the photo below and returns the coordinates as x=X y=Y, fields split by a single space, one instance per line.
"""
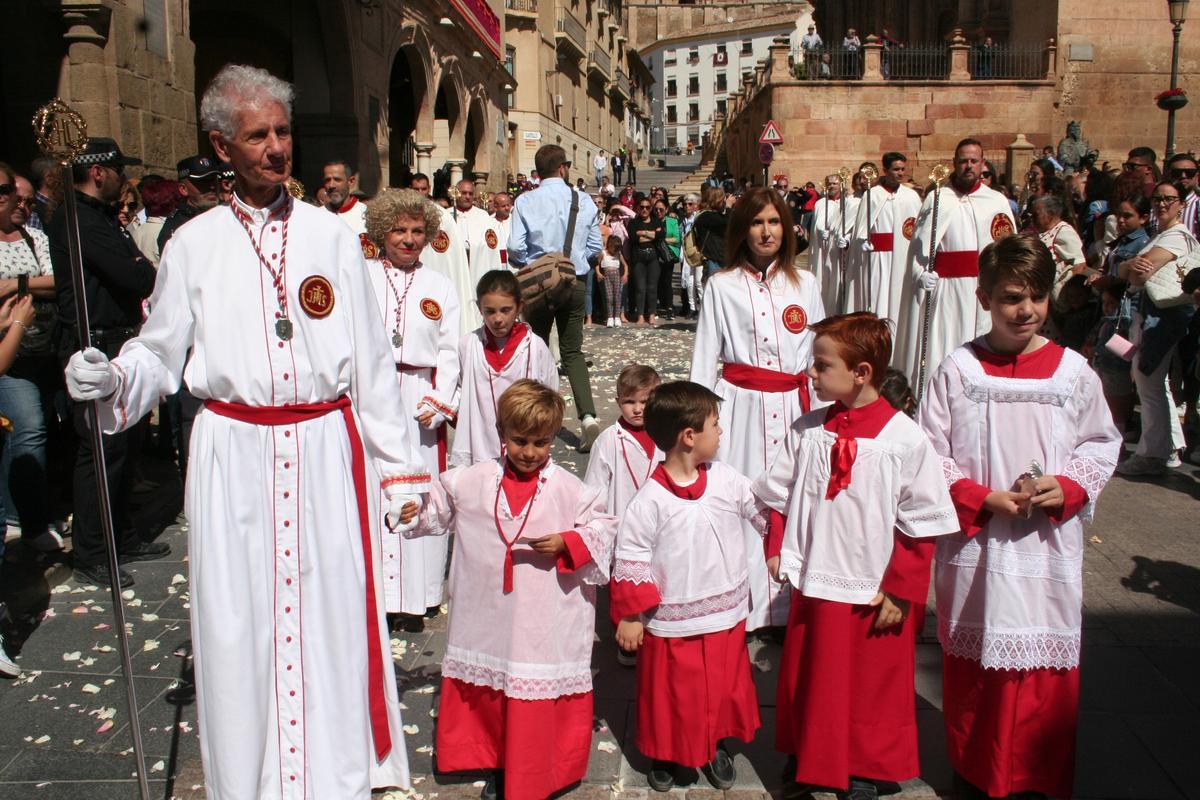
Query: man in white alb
x=502 y=202
x=447 y=253
x=339 y=181
x=264 y=308
x=478 y=230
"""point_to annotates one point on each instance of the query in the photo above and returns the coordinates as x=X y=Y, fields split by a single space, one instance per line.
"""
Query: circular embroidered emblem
x=490 y=238
x=1001 y=226
x=910 y=227
x=441 y=242
x=369 y=248
x=316 y=296
x=794 y=319
x=431 y=309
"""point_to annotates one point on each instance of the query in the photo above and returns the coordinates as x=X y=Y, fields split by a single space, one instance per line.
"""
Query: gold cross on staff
x=60 y=130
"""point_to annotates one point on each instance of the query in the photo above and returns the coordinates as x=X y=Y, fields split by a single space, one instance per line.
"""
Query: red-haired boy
x=861 y=489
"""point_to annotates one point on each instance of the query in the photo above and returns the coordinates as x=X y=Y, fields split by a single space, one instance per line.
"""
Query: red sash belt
x=882 y=242
x=303 y=412
x=957 y=264
x=758 y=379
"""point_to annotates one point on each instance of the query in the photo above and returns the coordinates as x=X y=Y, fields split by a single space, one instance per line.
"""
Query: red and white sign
x=771 y=133
x=766 y=153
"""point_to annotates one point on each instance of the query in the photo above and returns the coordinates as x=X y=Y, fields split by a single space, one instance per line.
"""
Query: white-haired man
x=265 y=310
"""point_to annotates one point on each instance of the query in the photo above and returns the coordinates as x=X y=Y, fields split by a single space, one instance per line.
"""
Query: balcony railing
x=620 y=85
x=827 y=63
x=521 y=6
x=602 y=8
x=570 y=31
x=1007 y=61
x=923 y=61
x=599 y=64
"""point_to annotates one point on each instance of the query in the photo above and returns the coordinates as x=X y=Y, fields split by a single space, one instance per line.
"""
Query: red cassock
x=694 y=685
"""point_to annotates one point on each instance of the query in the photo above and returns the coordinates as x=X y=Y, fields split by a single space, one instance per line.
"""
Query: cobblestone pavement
x=64 y=729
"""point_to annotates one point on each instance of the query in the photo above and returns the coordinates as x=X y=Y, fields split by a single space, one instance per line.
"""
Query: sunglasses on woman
x=7 y=188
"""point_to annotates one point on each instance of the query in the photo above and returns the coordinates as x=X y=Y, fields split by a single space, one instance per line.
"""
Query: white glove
x=867 y=246
x=395 y=507
x=437 y=419
x=843 y=242
x=927 y=280
x=90 y=376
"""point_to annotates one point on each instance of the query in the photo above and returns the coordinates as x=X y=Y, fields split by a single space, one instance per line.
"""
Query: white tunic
x=503 y=226
x=1011 y=597
x=482 y=241
x=839 y=549
x=836 y=262
x=893 y=217
x=825 y=254
x=742 y=322
x=693 y=552
x=414 y=569
x=277 y=566
x=618 y=466
x=446 y=253
x=354 y=214
x=966 y=222
x=475 y=437
x=534 y=643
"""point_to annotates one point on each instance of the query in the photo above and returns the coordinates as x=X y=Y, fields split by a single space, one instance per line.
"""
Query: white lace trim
x=1090 y=473
x=634 y=572
x=1026 y=649
x=840 y=581
x=761 y=521
x=1003 y=561
x=518 y=687
x=706 y=606
x=981 y=387
x=951 y=471
x=600 y=546
x=935 y=514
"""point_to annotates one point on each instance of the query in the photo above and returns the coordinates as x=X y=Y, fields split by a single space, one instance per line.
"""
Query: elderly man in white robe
x=264 y=308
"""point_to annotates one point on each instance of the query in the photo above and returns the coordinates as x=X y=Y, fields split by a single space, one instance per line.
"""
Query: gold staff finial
x=869 y=172
x=60 y=130
x=939 y=174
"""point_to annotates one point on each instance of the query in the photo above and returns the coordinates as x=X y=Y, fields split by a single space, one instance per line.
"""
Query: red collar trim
x=640 y=434
x=694 y=491
x=498 y=358
x=1038 y=365
x=972 y=190
x=865 y=422
x=351 y=201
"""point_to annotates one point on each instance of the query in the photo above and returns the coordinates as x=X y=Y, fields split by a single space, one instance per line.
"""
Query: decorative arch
x=412 y=44
x=478 y=151
x=450 y=104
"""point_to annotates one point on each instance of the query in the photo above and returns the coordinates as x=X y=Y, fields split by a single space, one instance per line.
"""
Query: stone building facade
x=387 y=84
x=572 y=63
x=1102 y=63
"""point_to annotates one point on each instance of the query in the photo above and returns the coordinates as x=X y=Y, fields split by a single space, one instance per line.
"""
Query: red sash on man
x=956 y=264
x=882 y=242
x=303 y=412
x=759 y=379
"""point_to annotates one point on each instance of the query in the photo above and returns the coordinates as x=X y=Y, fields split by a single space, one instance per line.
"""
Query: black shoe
x=144 y=551
x=494 y=788
x=97 y=575
x=860 y=790
x=661 y=776
x=431 y=612
x=720 y=771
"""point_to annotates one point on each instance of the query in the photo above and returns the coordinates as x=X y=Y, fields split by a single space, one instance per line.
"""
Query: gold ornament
x=869 y=172
x=60 y=131
x=939 y=174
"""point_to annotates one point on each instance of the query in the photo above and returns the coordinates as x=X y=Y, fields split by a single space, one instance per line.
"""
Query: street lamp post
x=1178 y=11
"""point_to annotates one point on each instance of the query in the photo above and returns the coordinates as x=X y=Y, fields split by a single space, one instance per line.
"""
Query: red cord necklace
x=508 y=544
x=283 y=325
x=411 y=272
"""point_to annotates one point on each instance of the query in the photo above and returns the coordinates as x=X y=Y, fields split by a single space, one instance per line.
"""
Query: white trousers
x=1161 y=432
x=692 y=279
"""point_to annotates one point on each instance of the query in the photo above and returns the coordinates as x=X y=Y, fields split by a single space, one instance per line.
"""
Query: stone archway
x=449 y=125
x=407 y=90
x=477 y=150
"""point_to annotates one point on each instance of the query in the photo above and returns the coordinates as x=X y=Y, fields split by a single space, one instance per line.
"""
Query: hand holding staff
x=843 y=181
x=869 y=172
x=938 y=176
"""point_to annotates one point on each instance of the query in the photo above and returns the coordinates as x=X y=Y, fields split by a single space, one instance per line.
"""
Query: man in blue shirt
x=539 y=226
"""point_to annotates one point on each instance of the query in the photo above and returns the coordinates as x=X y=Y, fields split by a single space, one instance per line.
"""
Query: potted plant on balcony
x=1171 y=99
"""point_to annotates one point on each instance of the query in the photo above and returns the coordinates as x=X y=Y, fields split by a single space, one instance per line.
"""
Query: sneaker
x=609 y=324
x=661 y=776
x=617 y=322
x=1142 y=465
x=860 y=790
x=1174 y=462
x=626 y=658
x=8 y=667
x=144 y=551
x=97 y=575
x=589 y=430
x=720 y=771
x=47 y=541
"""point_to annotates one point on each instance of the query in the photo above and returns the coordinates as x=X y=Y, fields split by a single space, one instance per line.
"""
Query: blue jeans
x=587 y=297
x=23 y=486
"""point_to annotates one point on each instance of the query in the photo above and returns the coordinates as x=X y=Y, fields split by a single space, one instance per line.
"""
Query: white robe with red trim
x=835 y=263
x=1011 y=597
x=354 y=213
x=893 y=215
x=618 y=466
x=742 y=322
x=415 y=569
x=482 y=240
x=966 y=222
x=535 y=642
x=446 y=253
x=503 y=227
x=277 y=566
x=475 y=437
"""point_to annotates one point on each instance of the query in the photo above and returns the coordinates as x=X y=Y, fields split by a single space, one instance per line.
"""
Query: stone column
x=456 y=170
x=1051 y=59
x=86 y=83
x=480 y=179
x=424 y=157
x=779 y=53
x=959 y=48
x=872 y=59
x=1018 y=157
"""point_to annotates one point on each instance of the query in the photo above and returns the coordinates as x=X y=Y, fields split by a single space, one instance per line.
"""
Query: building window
x=693 y=56
x=746 y=75
x=669 y=59
x=747 y=47
x=721 y=105
x=671 y=118
x=671 y=88
x=510 y=60
x=720 y=48
x=693 y=112
x=693 y=85
x=722 y=82
x=672 y=138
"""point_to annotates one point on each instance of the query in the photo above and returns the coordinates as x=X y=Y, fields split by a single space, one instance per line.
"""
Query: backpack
x=546 y=284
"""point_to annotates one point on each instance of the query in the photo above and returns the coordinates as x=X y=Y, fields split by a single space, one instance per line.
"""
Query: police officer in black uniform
x=201 y=180
x=117 y=278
